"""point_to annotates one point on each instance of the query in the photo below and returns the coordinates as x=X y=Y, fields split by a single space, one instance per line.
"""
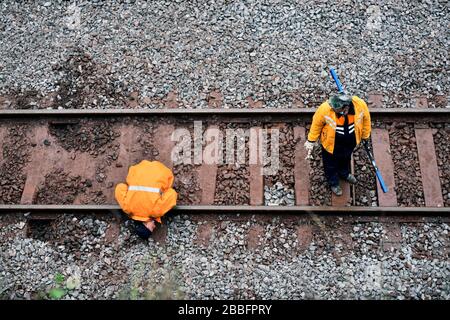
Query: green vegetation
x=60 y=288
x=57 y=292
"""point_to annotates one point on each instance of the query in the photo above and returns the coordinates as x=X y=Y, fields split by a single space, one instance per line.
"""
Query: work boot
x=351 y=179
x=337 y=190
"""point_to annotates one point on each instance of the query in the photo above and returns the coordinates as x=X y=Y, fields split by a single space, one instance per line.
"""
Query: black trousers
x=335 y=166
x=135 y=226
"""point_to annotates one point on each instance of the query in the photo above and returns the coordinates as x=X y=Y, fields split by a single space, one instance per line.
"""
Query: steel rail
x=233 y=111
x=54 y=209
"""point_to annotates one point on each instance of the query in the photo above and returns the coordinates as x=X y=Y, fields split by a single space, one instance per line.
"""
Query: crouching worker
x=341 y=123
x=147 y=195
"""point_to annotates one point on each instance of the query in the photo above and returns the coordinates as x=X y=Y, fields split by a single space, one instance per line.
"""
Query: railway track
x=70 y=160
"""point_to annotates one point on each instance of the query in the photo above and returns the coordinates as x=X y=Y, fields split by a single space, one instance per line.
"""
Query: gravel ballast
x=98 y=55
x=366 y=186
x=323 y=258
x=408 y=183
x=15 y=155
x=442 y=146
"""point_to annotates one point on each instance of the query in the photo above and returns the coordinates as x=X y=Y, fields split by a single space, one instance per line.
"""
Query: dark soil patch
x=84 y=84
x=26 y=100
x=60 y=188
x=95 y=137
x=442 y=146
x=87 y=84
x=408 y=184
x=365 y=188
x=16 y=154
x=39 y=229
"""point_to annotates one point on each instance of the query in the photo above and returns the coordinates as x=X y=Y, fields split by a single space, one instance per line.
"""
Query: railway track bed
x=235 y=233
x=76 y=157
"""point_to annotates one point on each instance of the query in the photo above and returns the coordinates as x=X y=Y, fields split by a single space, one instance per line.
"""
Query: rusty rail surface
x=208 y=209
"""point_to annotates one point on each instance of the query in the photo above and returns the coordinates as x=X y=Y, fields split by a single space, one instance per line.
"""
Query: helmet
x=340 y=101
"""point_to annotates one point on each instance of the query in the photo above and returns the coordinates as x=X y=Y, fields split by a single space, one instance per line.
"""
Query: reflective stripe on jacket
x=324 y=124
x=148 y=192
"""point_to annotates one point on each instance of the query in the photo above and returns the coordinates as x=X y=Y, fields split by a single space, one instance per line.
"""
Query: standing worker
x=342 y=123
x=147 y=195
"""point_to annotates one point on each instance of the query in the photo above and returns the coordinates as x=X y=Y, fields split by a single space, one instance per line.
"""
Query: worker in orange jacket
x=147 y=195
x=341 y=123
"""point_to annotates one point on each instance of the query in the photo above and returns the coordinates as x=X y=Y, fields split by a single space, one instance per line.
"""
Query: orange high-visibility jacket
x=325 y=122
x=148 y=192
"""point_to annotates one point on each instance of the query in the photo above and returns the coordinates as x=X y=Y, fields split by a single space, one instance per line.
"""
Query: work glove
x=309 y=146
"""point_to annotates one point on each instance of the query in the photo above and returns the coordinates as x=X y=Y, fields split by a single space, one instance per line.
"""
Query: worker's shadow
x=119 y=216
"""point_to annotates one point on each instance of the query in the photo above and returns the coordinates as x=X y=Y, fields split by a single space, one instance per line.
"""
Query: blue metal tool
x=377 y=171
x=366 y=147
x=336 y=80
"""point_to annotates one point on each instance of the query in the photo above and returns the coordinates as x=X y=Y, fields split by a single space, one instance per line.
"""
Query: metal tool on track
x=377 y=171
